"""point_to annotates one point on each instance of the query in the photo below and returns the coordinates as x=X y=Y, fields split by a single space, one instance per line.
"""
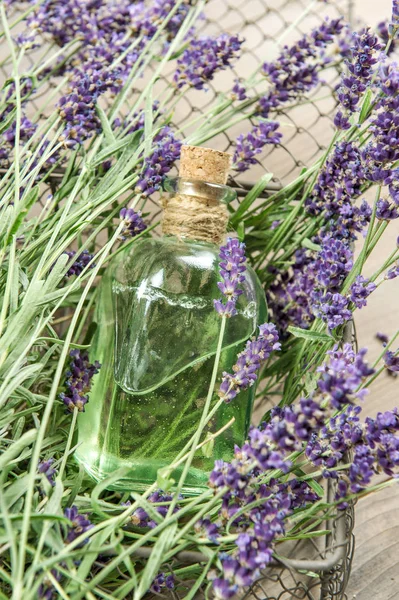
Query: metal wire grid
x=266 y=25
x=307 y=130
x=322 y=573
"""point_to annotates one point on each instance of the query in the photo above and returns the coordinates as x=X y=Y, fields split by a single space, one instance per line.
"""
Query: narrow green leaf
x=111 y=150
x=106 y=125
x=8 y=120
x=309 y=335
x=250 y=198
x=17 y=447
x=306 y=243
x=62 y=342
x=148 y=123
x=241 y=231
x=56 y=274
x=207 y=449
x=367 y=100
x=5 y=220
x=151 y=569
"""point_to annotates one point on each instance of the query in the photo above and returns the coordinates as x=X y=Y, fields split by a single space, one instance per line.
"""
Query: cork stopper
x=204 y=164
x=199 y=214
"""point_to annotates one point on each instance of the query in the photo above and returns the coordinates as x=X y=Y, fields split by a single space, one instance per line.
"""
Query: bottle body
x=156 y=338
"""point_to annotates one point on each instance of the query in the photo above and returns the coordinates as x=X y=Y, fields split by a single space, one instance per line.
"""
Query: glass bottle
x=156 y=338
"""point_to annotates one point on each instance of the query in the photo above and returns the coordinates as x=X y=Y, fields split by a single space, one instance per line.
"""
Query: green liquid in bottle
x=156 y=338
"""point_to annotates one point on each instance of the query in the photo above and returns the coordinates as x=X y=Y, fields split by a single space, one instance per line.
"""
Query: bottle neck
x=196 y=210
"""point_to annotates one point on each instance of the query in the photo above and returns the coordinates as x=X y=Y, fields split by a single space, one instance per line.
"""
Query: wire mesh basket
x=313 y=570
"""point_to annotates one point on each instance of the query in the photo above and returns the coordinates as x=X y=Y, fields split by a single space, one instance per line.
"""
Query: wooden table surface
x=375 y=574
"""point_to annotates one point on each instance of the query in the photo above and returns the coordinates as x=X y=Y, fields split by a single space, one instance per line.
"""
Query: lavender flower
x=204 y=57
x=297 y=68
x=248 y=146
x=206 y=528
x=80 y=263
x=332 y=309
x=392 y=273
x=332 y=263
x=140 y=518
x=361 y=470
x=238 y=91
x=360 y=290
x=268 y=447
x=133 y=223
x=391 y=361
x=249 y=361
x=383 y=34
x=46 y=590
x=342 y=376
x=163 y=581
x=79 y=524
x=395 y=16
x=78 y=108
x=45 y=467
x=360 y=67
x=166 y=151
x=382 y=337
x=78 y=380
x=386 y=211
x=232 y=269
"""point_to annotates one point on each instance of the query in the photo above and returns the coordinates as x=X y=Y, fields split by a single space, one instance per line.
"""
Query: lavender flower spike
x=79 y=524
x=78 y=380
x=231 y=268
x=395 y=17
x=133 y=222
x=249 y=361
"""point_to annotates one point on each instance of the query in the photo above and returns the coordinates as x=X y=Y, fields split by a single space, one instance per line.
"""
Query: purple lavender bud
x=360 y=290
x=206 y=528
x=386 y=211
x=161 y=582
x=204 y=57
x=248 y=146
x=395 y=15
x=249 y=361
x=391 y=360
x=46 y=589
x=166 y=150
x=360 y=67
x=296 y=70
x=133 y=222
x=238 y=91
x=382 y=337
x=341 y=121
x=79 y=524
x=140 y=517
x=383 y=33
x=342 y=376
x=332 y=309
x=78 y=381
x=45 y=467
x=81 y=261
x=232 y=269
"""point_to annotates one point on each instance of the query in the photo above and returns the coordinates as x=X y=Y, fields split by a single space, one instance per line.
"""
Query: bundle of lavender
x=107 y=330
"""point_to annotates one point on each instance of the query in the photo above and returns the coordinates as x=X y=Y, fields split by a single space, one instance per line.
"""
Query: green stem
x=68 y=444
